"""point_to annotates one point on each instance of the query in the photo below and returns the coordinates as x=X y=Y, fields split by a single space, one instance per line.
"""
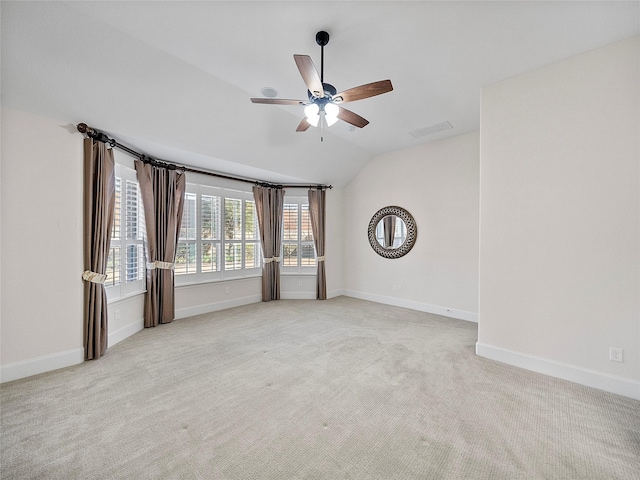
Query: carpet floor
x=296 y=389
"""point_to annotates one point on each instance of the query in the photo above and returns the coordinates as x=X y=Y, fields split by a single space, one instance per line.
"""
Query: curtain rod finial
x=83 y=128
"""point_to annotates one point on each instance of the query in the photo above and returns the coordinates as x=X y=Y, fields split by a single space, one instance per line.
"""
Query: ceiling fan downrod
x=322 y=38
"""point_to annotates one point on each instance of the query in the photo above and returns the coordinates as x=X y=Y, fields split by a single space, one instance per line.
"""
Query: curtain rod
x=102 y=137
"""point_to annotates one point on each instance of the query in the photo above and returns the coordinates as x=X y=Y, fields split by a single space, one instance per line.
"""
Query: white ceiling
x=173 y=79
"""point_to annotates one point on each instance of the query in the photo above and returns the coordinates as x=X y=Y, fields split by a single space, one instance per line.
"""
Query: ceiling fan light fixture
x=330 y=120
x=311 y=112
x=331 y=113
x=331 y=110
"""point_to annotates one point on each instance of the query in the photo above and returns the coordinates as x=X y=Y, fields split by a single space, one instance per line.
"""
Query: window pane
x=250 y=220
x=142 y=225
x=135 y=263
x=306 y=234
x=210 y=217
x=209 y=261
x=233 y=256
x=252 y=255
x=290 y=221
x=185 y=258
x=113 y=267
x=308 y=256
x=188 y=226
x=290 y=255
x=115 y=229
x=131 y=211
x=232 y=219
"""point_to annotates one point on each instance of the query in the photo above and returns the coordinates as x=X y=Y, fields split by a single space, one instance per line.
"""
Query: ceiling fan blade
x=277 y=101
x=303 y=125
x=363 y=91
x=352 y=118
x=309 y=75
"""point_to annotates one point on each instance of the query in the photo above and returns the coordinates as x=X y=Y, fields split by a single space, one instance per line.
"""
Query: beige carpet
x=340 y=389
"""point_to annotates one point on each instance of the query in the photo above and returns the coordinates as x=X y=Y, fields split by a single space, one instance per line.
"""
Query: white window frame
x=125 y=288
x=302 y=202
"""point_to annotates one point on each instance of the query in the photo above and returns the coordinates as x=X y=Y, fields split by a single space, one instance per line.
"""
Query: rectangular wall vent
x=430 y=130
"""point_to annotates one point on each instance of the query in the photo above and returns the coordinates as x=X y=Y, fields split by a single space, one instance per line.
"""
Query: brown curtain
x=269 y=209
x=99 y=204
x=317 y=215
x=389 y=230
x=162 y=191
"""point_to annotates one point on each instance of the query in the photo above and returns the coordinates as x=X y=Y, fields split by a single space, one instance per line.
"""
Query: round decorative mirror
x=392 y=232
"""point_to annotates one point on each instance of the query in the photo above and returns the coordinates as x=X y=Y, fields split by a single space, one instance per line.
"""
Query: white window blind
x=298 y=250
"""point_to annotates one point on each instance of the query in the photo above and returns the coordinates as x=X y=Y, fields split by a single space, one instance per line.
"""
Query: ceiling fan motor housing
x=329 y=92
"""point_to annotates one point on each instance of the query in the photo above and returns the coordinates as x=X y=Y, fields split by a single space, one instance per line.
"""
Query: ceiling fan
x=323 y=104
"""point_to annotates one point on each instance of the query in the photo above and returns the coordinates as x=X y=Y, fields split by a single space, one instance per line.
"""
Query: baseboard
x=125 y=332
x=35 y=366
x=590 y=378
x=336 y=293
x=308 y=295
x=413 y=305
x=214 y=307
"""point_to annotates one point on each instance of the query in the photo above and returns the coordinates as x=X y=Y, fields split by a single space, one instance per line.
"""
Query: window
x=218 y=236
x=298 y=250
x=210 y=233
x=186 y=251
x=126 y=262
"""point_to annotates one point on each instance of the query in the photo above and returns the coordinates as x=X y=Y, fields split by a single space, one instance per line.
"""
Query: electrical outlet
x=299 y=283
x=117 y=314
x=227 y=289
x=616 y=354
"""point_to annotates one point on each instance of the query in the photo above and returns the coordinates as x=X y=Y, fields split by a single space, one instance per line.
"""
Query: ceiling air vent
x=430 y=130
x=269 y=92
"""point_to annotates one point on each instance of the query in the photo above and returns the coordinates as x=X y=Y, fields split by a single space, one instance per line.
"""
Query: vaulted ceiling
x=173 y=79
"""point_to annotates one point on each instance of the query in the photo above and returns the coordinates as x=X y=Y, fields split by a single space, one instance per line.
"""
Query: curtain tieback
x=320 y=259
x=161 y=265
x=94 y=277
x=272 y=259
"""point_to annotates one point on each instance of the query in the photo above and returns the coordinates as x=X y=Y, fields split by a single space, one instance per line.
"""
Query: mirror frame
x=409 y=242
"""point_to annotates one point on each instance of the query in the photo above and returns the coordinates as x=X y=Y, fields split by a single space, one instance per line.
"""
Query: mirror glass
x=392 y=232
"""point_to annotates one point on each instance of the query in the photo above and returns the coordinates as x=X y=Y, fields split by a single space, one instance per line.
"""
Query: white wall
x=559 y=224
x=335 y=243
x=41 y=310
x=125 y=317
x=438 y=184
x=209 y=297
